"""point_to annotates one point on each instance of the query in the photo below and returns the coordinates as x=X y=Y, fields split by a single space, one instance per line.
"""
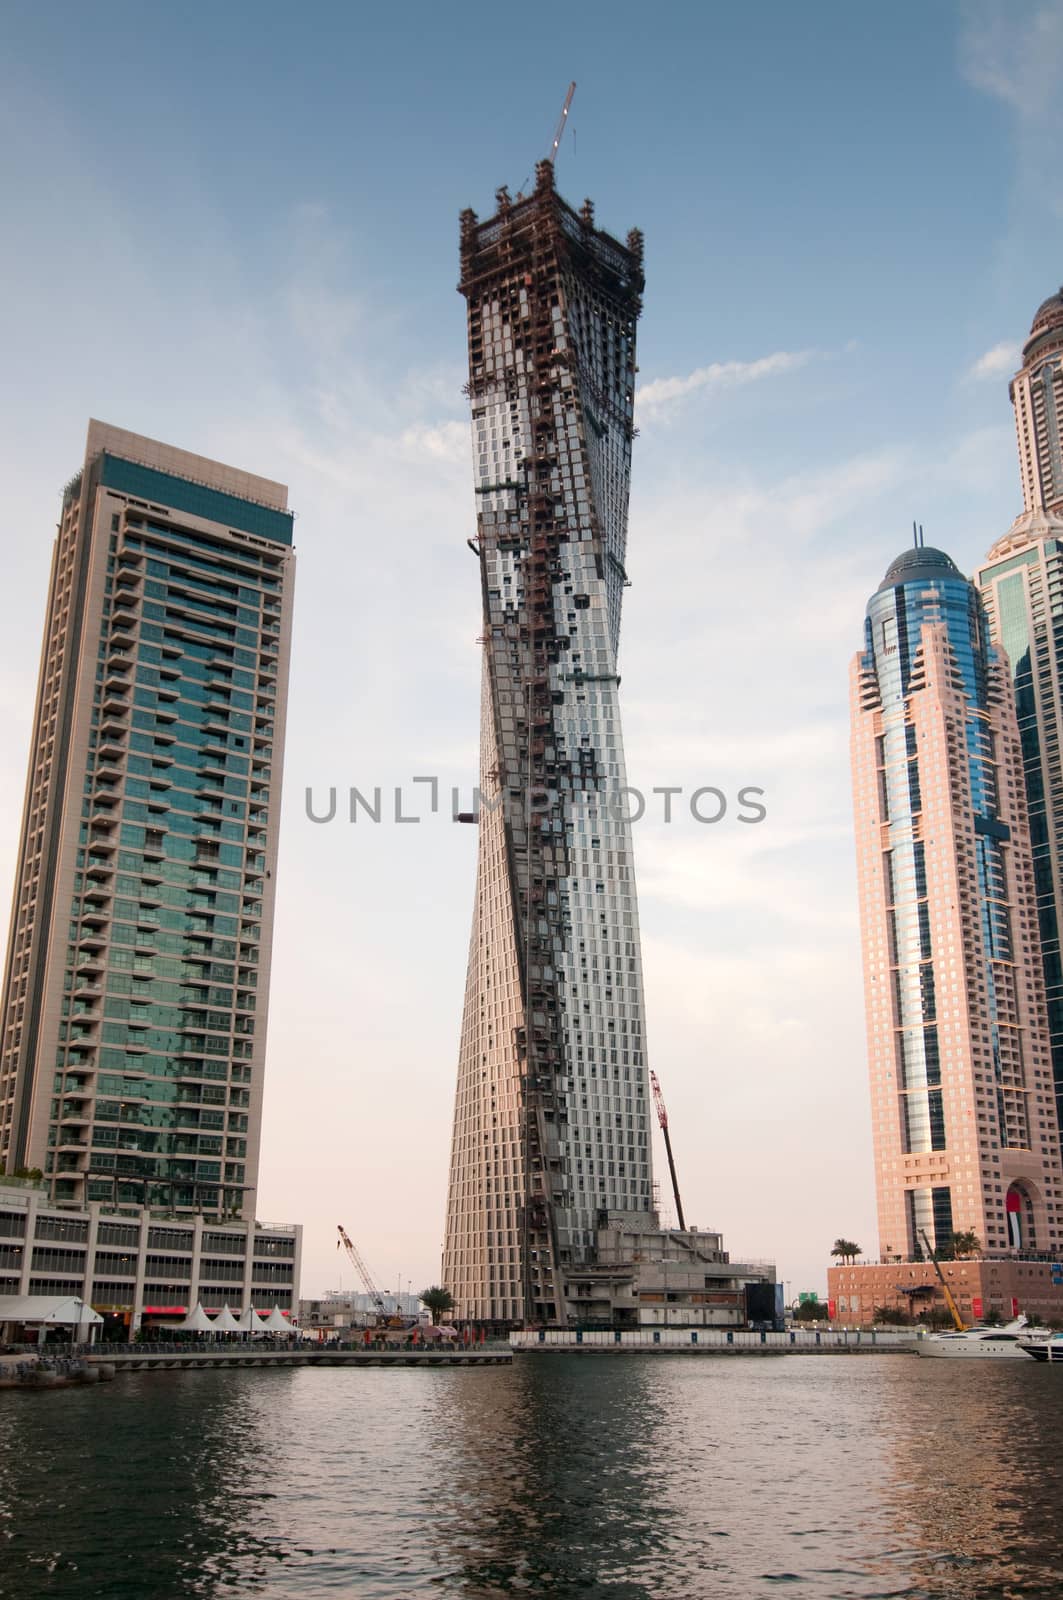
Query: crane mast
x=360 y=1267
x=662 y=1118
x=561 y=124
x=961 y=1326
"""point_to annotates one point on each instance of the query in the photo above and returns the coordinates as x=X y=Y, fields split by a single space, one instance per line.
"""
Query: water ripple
x=620 y=1477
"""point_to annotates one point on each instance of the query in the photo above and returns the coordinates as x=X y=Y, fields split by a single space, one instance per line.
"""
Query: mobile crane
x=961 y=1326
x=346 y=1243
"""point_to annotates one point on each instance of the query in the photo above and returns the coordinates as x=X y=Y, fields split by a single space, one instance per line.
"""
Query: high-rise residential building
x=963 y=1111
x=551 y=1126
x=1037 y=395
x=137 y=977
x=1021 y=581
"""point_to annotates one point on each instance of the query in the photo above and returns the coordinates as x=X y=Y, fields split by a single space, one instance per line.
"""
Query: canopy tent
x=225 y=1322
x=277 y=1322
x=251 y=1322
x=196 y=1321
x=44 y=1311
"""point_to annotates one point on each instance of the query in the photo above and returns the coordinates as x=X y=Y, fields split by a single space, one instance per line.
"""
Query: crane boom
x=961 y=1326
x=562 y=120
x=662 y=1118
x=360 y=1267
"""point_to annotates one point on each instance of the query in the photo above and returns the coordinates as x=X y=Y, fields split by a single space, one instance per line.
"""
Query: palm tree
x=846 y=1250
x=966 y=1243
x=438 y=1301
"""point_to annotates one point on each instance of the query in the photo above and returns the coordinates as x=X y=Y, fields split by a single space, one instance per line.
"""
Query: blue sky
x=236 y=229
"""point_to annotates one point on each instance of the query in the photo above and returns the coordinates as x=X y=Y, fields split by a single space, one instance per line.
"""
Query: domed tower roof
x=920 y=564
x=1046 y=328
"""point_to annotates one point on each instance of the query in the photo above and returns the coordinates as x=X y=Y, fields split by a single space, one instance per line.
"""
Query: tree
x=846 y=1250
x=811 y=1311
x=438 y=1302
x=966 y=1243
x=891 y=1317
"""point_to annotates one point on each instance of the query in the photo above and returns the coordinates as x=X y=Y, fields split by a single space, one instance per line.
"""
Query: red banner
x=976 y=1307
x=832 y=1308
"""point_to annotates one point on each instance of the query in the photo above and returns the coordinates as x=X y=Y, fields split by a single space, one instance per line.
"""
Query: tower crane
x=360 y=1267
x=561 y=123
x=662 y=1118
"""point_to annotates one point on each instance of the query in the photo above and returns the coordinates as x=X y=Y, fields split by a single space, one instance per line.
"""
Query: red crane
x=662 y=1118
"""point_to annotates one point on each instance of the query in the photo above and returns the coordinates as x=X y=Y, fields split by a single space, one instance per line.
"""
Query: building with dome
x=964 y=1122
x=1037 y=396
x=1022 y=588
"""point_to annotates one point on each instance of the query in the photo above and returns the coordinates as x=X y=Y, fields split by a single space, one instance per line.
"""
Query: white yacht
x=1010 y=1343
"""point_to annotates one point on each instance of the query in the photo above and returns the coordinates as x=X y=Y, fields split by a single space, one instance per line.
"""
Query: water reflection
x=550 y=1480
x=139 y=1488
x=625 y=1477
x=974 y=1486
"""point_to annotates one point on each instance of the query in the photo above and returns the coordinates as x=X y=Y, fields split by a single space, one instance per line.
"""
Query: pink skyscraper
x=964 y=1120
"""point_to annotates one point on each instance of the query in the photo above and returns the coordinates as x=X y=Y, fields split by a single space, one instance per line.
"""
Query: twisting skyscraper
x=551 y=1125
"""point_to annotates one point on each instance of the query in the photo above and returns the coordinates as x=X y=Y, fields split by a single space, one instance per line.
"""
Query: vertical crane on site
x=662 y=1118
x=961 y=1326
x=345 y=1242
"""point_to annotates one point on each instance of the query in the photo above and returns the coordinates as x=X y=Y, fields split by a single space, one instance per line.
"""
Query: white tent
x=46 y=1311
x=225 y=1322
x=251 y=1322
x=196 y=1321
x=276 y=1322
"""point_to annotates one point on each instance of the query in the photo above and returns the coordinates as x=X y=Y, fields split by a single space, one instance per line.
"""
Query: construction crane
x=360 y=1267
x=662 y=1118
x=961 y=1326
x=561 y=122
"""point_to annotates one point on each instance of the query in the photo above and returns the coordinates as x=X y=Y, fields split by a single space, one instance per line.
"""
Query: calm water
x=618 y=1476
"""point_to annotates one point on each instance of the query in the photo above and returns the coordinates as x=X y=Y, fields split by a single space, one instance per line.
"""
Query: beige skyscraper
x=1021 y=581
x=1037 y=395
x=963 y=1111
x=132 y=1042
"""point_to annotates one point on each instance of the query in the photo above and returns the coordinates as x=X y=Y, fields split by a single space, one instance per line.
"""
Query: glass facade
x=1023 y=595
x=958 y=1046
x=148 y=1015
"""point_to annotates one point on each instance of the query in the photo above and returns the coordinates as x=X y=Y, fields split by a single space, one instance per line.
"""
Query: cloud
x=1016 y=56
x=651 y=397
x=998 y=362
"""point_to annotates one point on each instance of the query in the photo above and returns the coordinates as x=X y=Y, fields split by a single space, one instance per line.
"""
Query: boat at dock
x=1015 y=1341
x=1045 y=1349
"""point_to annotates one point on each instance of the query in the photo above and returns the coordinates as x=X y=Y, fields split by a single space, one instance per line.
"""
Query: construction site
x=552 y=1217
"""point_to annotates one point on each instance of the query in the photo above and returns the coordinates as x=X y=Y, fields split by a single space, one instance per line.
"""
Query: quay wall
x=719 y=1341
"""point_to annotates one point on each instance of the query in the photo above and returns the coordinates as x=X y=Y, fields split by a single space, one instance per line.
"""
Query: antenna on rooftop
x=917 y=535
x=562 y=123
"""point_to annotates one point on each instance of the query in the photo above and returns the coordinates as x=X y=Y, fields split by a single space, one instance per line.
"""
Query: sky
x=235 y=229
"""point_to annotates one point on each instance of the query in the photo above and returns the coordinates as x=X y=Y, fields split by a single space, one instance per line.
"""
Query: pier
x=146 y=1359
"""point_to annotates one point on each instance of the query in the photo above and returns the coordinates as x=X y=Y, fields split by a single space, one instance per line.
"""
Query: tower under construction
x=551 y=1125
